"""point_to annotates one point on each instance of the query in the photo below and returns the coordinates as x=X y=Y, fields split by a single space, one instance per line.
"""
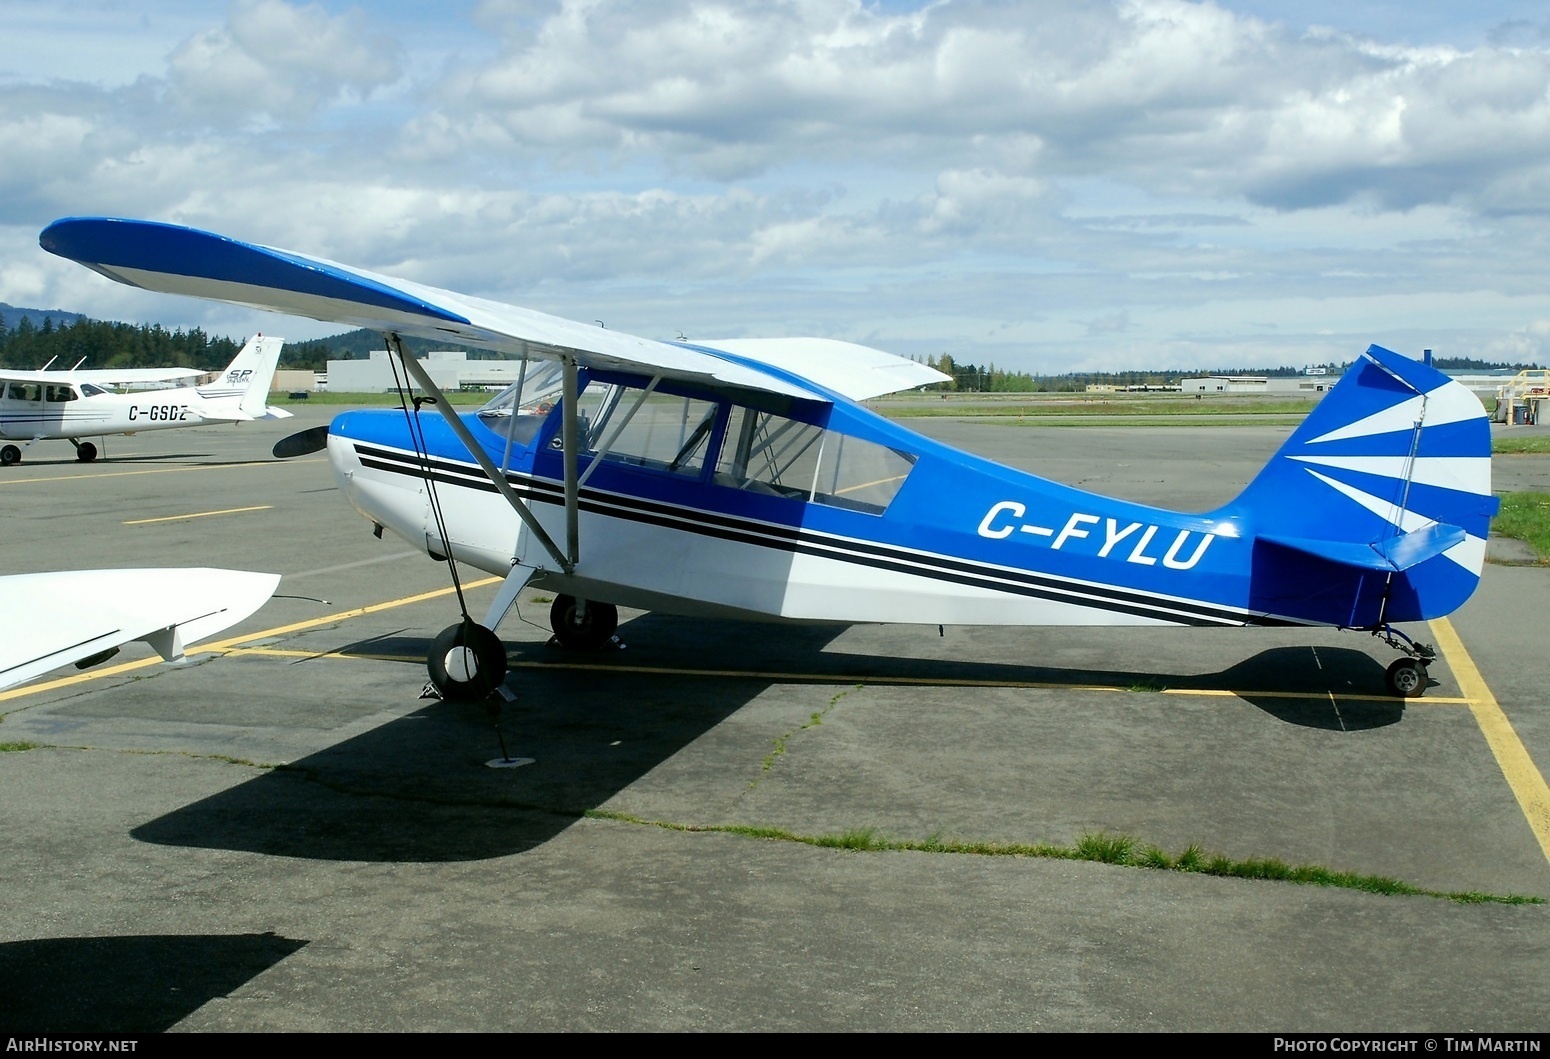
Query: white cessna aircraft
x=54 y=619
x=54 y=404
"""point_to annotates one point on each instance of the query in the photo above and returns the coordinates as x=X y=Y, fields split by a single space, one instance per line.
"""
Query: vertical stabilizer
x=1377 y=508
x=244 y=386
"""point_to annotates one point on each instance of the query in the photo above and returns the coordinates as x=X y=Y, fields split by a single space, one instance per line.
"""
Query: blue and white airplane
x=744 y=478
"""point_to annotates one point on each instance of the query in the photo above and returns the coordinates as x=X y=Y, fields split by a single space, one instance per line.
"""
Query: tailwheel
x=85 y=452
x=582 y=627
x=10 y=454
x=467 y=662
x=1406 y=677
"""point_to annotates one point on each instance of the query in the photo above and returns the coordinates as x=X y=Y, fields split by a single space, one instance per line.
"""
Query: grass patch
x=1106 y=848
x=1149 y=684
x=813 y=721
x=1526 y=517
x=1099 y=846
x=16 y=748
x=1518 y=444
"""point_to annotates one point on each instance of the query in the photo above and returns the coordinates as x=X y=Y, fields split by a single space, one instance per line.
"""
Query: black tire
x=9 y=455
x=1406 y=678
x=584 y=634
x=466 y=662
x=85 y=452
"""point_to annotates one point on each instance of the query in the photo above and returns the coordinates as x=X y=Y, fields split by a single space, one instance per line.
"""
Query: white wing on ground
x=54 y=619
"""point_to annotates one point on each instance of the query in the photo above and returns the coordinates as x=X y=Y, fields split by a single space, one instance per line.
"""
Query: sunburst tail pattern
x=1377 y=508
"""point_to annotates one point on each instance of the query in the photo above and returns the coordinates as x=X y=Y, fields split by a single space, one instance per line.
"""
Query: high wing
x=857 y=372
x=53 y=619
x=178 y=260
x=133 y=376
x=107 y=376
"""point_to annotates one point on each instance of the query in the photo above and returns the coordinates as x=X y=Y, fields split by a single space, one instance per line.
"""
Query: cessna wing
x=178 y=260
x=108 y=376
x=51 y=620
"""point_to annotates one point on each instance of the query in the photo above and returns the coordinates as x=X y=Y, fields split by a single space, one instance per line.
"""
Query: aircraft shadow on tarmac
x=416 y=790
x=125 y=985
x=108 y=461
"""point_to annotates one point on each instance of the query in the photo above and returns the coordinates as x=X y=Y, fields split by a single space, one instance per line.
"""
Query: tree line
x=987 y=378
x=27 y=346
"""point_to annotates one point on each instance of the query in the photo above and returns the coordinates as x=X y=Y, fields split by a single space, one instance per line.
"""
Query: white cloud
x=1007 y=180
x=280 y=60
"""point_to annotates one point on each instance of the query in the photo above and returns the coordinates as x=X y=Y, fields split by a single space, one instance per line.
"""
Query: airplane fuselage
x=957 y=540
x=53 y=414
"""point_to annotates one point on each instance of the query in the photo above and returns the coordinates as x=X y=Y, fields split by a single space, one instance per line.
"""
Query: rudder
x=245 y=382
x=1377 y=508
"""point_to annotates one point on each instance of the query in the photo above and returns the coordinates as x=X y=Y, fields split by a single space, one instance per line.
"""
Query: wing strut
x=569 y=414
x=418 y=374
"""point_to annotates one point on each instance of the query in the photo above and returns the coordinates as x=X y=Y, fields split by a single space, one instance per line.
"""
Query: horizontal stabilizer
x=1393 y=554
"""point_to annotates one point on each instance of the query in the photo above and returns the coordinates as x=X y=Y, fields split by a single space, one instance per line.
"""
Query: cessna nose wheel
x=584 y=629
x=467 y=662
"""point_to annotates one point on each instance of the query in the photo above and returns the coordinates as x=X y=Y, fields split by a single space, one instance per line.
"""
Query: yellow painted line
x=198 y=514
x=343 y=615
x=65 y=682
x=1526 y=781
x=282 y=652
x=235 y=641
x=157 y=470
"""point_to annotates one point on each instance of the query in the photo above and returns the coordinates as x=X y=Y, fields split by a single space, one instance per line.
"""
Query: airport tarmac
x=282 y=835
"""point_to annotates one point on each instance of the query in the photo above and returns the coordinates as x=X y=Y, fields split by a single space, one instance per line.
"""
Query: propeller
x=301 y=444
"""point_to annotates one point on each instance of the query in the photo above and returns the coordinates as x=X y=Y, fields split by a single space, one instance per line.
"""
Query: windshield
x=530 y=399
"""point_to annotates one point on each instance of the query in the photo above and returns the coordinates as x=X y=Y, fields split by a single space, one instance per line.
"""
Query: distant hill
x=11 y=315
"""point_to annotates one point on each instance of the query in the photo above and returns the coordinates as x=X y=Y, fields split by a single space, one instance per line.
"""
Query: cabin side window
x=774 y=455
x=661 y=431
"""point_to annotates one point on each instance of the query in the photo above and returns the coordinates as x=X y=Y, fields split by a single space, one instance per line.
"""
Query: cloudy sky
x=1046 y=185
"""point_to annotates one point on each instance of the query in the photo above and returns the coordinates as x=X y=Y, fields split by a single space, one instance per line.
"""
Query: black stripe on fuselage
x=808 y=542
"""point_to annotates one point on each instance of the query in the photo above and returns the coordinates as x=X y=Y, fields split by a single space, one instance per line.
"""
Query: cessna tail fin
x=242 y=390
x=1380 y=503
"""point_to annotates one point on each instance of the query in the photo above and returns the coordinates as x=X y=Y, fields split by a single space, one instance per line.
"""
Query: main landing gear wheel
x=9 y=455
x=1406 y=677
x=85 y=452
x=467 y=662
x=586 y=633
